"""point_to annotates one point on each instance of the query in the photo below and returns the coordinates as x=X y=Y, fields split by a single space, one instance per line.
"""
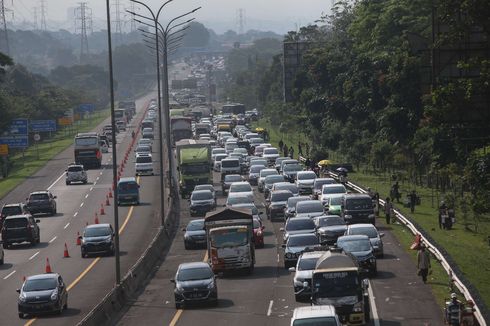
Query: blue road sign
x=19 y=141
x=19 y=127
x=87 y=107
x=42 y=125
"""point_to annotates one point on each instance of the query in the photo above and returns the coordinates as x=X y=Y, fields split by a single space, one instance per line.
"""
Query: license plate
x=195 y=295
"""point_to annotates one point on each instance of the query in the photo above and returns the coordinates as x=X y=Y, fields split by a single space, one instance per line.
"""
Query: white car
x=270 y=154
x=144 y=164
x=264 y=173
x=243 y=188
x=372 y=232
x=238 y=198
x=315 y=315
x=303 y=272
x=305 y=181
x=217 y=162
x=330 y=190
x=216 y=151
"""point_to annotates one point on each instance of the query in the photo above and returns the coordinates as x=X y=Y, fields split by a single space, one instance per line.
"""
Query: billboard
x=43 y=125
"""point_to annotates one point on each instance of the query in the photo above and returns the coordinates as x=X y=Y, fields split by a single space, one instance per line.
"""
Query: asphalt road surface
x=266 y=297
x=88 y=279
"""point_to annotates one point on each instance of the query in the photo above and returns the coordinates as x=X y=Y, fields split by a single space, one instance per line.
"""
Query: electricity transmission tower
x=83 y=20
x=132 y=22
x=241 y=21
x=117 y=22
x=42 y=8
x=4 y=38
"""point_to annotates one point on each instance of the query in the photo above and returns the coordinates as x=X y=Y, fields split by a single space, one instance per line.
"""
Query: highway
x=266 y=297
x=87 y=279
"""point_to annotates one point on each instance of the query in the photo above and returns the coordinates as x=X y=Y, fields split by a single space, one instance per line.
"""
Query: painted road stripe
x=269 y=311
x=372 y=304
x=176 y=318
x=11 y=273
x=67 y=224
x=52 y=185
x=32 y=257
x=91 y=188
x=75 y=215
x=54 y=238
x=86 y=196
x=81 y=205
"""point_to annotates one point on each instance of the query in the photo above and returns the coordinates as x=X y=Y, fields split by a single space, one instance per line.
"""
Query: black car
x=195 y=234
x=295 y=245
x=276 y=203
x=41 y=202
x=360 y=247
x=201 y=202
x=20 y=228
x=329 y=228
x=194 y=283
x=97 y=239
x=358 y=208
x=42 y=293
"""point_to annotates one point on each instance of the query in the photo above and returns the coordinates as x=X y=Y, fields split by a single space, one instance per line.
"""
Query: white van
x=230 y=166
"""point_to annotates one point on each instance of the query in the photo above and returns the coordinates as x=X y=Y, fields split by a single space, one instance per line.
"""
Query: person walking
x=300 y=149
x=423 y=262
x=307 y=146
x=412 y=200
x=281 y=145
x=285 y=149
x=291 y=152
x=388 y=209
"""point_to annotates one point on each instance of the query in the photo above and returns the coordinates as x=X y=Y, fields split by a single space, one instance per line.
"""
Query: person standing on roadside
x=285 y=149
x=291 y=152
x=307 y=146
x=423 y=262
x=281 y=145
x=388 y=209
x=412 y=199
x=300 y=149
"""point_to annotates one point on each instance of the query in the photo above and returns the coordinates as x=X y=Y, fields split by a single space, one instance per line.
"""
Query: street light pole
x=114 y=147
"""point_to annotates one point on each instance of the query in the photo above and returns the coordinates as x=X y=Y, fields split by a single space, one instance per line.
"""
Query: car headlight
x=245 y=260
x=289 y=255
x=372 y=260
x=54 y=295
x=348 y=216
x=298 y=282
x=186 y=236
x=371 y=216
x=179 y=288
x=22 y=297
x=211 y=285
x=357 y=307
x=108 y=240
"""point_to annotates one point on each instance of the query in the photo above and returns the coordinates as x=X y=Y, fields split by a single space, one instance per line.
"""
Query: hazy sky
x=277 y=15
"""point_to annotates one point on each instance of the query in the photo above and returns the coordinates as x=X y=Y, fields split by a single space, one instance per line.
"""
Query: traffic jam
x=234 y=181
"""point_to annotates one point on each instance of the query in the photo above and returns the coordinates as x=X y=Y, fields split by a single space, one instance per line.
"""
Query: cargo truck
x=87 y=150
x=193 y=159
x=181 y=128
x=230 y=245
x=337 y=281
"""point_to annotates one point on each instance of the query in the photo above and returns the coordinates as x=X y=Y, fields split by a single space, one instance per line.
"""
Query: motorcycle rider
x=453 y=311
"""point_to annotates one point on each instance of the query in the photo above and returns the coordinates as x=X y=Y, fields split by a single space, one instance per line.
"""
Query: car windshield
x=269 y=151
x=334 y=190
x=233 y=178
x=143 y=149
x=235 y=200
x=306 y=176
x=273 y=179
x=125 y=186
x=289 y=186
x=335 y=201
x=331 y=220
x=294 y=200
x=144 y=141
x=143 y=159
x=218 y=151
x=292 y=168
x=259 y=162
x=316 y=321
x=320 y=183
x=202 y=195
x=230 y=163
x=310 y=206
x=35 y=197
x=195 y=225
x=300 y=224
x=194 y=274
x=370 y=232
x=256 y=168
x=15 y=223
x=219 y=157
x=195 y=168
x=335 y=284
x=42 y=284
x=75 y=169
x=97 y=232
x=303 y=240
x=11 y=210
x=204 y=187
x=358 y=203
x=222 y=238
x=307 y=264
x=240 y=188
x=354 y=245
x=281 y=196
x=266 y=173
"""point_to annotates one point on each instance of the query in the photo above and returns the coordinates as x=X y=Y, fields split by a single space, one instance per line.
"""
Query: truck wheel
x=67 y=183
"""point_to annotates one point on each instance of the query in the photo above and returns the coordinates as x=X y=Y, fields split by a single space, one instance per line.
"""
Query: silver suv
x=76 y=173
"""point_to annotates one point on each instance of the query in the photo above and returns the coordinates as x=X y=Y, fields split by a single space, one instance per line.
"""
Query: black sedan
x=97 y=239
x=195 y=235
x=195 y=283
x=42 y=293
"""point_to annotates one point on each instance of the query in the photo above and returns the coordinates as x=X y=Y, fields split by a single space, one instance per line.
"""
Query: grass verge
x=34 y=158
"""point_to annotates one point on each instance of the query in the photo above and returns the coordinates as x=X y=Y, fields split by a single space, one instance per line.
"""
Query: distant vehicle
x=276 y=203
x=233 y=108
x=295 y=245
x=358 y=208
x=217 y=161
x=286 y=186
x=121 y=125
x=193 y=157
x=330 y=190
x=143 y=149
x=144 y=164
x=75 y=173
x=120 y=116
x=237 y=198
x=146 y=142
x=305 y=181
x=228 y=180
x=315 y=315
x=230 y=166
x=194 y=283
x=303 y=272
x=41 y=294
x=262 y=175
x=290 y=171
x=298 y=225
x=317 y=186
x=201 y=202
x=333 y=205
x=87 y=150
x=242 y=187
x=290 y=209
x=104 y=145
x=181 y=128
x=12 y=209
x=97 y=239
x=209 y=187
x=254 y=173
x=41 y=202
x=147 y=124
x=195 y=235
x=270 y=154
x=277 y=163
x=310 y=208
x=147 y=133
x=271 y=180
x=360 y=247
x=20 y=228
x=329 y=228
x=128 y=191
x=373 y=234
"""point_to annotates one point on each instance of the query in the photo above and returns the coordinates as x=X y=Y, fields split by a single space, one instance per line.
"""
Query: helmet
x=453 y=296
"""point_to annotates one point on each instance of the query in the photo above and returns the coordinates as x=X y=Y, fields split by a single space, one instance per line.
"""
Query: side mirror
x=305 y=285
x=17 y=290
x=381 y=235
x=172 y=280
x=38 y=221
x=292 y=269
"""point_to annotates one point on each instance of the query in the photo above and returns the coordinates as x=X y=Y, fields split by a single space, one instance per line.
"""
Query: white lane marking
x=101 y=172
x=54 y=238
x=67 y=224
x=81 y=205
x=95 y=183
x=269 y=311
x=75 y=215
x=32 y=257
x=91 y=188
x=11 y=273
x=97 y=179
x=277 y=258
x=52 y=185
x=372 y=305
x=86 y=196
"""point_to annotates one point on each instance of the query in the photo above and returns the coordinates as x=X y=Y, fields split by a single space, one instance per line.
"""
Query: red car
x=258 y=233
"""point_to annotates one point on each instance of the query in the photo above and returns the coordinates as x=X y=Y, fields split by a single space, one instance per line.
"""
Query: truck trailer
x=193 y=159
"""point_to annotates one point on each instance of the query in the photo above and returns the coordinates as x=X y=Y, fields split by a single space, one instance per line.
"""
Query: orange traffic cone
x=102 y=212
x=79 y=242
x=65 y=253
x=48 y=266
x=110 y=193
x=96 y=220
x=107 y=203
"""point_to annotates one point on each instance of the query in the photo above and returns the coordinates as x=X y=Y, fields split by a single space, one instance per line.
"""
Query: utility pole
x=4 y=38
x=132 y=21
x=83 y=20
x=43 y=10
x=36 y=26
x=241 y=21
x=117 y=22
